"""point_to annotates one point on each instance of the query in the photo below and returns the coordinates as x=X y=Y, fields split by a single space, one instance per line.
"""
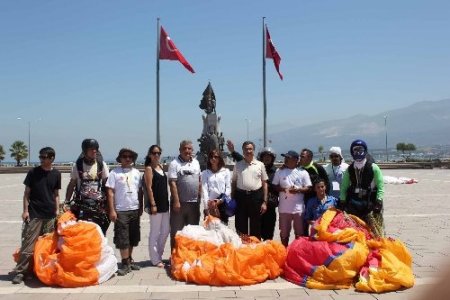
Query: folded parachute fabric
x=398 y=180
x=341 y=251
x=76 y=255
x=215 y=255
x=324 y=265
x=388 y=267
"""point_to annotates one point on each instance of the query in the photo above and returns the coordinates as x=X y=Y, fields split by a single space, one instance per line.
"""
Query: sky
x=78 y=69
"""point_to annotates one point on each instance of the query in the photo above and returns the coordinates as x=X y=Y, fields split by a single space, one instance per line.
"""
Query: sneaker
x=18 y=279
x=124 y=270
x=134 y=266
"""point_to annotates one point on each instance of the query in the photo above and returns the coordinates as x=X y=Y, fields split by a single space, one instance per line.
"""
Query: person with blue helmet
x=362 y=189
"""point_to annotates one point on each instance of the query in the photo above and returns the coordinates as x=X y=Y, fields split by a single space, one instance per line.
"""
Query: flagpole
x=158 y=138
x=264 y=85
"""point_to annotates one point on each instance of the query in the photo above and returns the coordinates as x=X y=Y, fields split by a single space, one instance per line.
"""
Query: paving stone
x=424 y=227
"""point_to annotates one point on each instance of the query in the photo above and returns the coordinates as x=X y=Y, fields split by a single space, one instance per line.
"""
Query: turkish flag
x=272 y=53
x=168 y=50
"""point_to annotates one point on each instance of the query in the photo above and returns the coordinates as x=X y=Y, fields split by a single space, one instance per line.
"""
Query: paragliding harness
x=360 y=196
x=89 y=202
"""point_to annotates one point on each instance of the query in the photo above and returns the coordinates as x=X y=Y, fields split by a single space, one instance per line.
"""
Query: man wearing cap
x=185 y=188
x=249 y=188
x=335 y=170
x=292 y=183
x=125 y=199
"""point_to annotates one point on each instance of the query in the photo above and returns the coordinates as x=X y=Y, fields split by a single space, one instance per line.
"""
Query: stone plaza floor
x=418 y=214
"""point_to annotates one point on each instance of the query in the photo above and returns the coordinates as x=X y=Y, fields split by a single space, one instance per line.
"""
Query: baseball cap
x=290 y=154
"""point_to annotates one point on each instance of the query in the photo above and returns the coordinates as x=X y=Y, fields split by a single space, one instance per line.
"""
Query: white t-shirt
x=287 y=178
x=187 y=176
x=214 y=184
x=126 y=183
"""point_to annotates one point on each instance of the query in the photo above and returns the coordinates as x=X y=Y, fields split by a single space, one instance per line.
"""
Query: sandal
x=160 y=265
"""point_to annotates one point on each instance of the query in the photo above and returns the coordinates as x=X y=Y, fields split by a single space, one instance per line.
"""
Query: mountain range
x=423 y=124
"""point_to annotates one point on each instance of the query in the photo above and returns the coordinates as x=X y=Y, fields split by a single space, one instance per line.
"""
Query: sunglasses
x=156 y=153
x=43 y=157
x=334 y=156
x=127 y=156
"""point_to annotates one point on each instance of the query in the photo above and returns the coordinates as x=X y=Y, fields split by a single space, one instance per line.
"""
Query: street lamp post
x=248 y=125
x=385 y=129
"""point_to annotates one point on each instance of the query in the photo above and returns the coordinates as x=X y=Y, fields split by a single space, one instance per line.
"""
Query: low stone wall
x=396 y=165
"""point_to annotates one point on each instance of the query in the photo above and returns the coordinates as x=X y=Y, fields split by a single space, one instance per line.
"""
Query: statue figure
x=208 y=102
x=212 y=137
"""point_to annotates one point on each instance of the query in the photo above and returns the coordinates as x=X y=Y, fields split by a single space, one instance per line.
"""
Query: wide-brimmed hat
x=124 y=150
x=291 y=154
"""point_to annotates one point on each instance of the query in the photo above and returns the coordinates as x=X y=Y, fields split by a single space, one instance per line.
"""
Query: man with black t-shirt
x=40 y=207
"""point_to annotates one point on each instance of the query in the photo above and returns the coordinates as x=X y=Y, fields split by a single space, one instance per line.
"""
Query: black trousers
x=268 y=220
x=248 y=212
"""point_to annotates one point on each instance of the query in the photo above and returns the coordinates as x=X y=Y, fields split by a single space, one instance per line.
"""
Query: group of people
x=301 y=189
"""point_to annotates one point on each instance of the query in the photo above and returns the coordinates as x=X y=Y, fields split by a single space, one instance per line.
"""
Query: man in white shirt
x=249 y=188
x=185 y=188
x=125 y=199
x=292 y=183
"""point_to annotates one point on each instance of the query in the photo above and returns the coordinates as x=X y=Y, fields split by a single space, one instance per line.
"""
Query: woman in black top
x=157 y=204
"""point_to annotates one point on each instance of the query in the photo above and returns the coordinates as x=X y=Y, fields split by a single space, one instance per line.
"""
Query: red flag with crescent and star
x=168 y=50
x=272 y=53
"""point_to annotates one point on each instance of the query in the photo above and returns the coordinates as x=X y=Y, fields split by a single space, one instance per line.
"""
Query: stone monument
x=211 y=138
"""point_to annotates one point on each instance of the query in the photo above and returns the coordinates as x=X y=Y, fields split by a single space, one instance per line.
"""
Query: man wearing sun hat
x=125 y=199
x=335 y=170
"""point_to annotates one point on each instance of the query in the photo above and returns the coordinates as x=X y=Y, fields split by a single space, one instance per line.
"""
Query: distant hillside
x=423 y=123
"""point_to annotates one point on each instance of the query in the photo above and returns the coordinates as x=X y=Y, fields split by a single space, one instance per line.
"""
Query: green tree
x=401 y=147
x=18 y=151
x=321 y=152
x=2 y=153
x=406 y=147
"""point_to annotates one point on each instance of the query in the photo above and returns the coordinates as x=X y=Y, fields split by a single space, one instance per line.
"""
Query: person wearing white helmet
x=335 y=170
x=362 y=189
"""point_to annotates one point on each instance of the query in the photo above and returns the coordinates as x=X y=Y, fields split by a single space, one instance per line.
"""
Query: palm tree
x=321 y=153
x=18 y=151
x=2 y=153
